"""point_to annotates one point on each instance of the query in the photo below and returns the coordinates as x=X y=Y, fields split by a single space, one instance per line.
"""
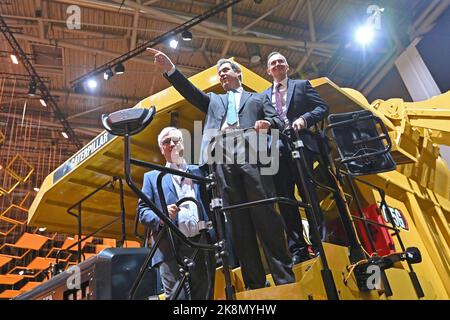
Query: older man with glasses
x=186 y=217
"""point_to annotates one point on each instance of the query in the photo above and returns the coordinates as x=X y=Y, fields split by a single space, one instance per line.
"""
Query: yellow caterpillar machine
x=389 y=232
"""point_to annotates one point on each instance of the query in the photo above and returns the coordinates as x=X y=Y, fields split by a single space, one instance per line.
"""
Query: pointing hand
x=161 y=59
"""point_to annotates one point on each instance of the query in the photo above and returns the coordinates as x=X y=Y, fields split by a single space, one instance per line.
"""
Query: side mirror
x=412 y=255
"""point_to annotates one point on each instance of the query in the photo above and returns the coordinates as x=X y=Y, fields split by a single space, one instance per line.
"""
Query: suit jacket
x=303 y=100
x=252 y=107
x=152 y=221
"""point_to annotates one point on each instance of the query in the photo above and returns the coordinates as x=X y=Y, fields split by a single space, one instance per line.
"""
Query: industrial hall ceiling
x=65 y=40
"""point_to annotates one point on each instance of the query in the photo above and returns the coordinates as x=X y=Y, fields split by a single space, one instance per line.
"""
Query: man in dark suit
x=240 y=181
x=186 y=217
x=300 y=106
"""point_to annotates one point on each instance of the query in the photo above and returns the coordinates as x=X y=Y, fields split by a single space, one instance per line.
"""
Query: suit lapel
x=269 y=92
x=195 y=184
x=168 y=184
x=244 y=97
x=290 y=93
x=224 y=99
x=223 y=111
x=198 y=194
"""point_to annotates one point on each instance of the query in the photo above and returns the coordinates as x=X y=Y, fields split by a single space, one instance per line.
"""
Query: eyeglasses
x=175 y=140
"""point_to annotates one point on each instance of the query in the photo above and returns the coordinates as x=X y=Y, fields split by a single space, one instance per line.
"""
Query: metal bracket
x=216 y=203
x=204 y=225
x=189 y=263
x=299 y=144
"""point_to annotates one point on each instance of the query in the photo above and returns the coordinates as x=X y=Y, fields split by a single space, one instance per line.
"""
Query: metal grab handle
x=201 y=222
x=153 y=166
x=384 y=136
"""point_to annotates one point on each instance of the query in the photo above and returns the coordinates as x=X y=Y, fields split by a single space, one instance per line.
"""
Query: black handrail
x=288 y=201
x=203 y=232
x=78 y=216
x=311 y=214
x=162 y=199
x=381 y=137
x=80 y=241
x=153 y=166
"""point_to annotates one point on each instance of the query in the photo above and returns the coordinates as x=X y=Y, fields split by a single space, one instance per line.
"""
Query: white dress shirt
x=188 y=214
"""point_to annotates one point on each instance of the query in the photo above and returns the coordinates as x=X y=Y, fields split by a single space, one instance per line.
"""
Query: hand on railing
x=173 y=210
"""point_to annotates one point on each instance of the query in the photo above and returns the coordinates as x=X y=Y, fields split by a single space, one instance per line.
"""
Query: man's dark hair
x=233 y=64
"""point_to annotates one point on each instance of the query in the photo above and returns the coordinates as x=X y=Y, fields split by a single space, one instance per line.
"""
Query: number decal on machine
x=397 y=217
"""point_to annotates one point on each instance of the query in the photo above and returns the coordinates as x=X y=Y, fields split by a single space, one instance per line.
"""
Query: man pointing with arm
x=240 y=182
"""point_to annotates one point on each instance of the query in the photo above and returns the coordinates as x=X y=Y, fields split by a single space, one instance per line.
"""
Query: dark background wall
x=391 y=86
x=435 y=51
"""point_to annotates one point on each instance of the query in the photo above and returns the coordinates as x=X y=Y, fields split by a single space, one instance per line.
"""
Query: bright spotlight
x=173 y=43
x=65 y=135
x=92 y=83
x=14 y=59
x=364 y=35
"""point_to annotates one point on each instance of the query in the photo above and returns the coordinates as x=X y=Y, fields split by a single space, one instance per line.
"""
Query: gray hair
x=233 y=64
x=164 y=132
x=275 y=53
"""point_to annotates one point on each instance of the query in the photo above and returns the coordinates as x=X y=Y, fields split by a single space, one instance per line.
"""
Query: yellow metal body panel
x=419 y=188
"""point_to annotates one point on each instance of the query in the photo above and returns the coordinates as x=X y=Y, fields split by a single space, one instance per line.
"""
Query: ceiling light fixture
x=119 y=69
x=254 y=52
x=14 y=59
x=32 y=88
x=186 y=35
x=108 y=74
x=78 y=89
